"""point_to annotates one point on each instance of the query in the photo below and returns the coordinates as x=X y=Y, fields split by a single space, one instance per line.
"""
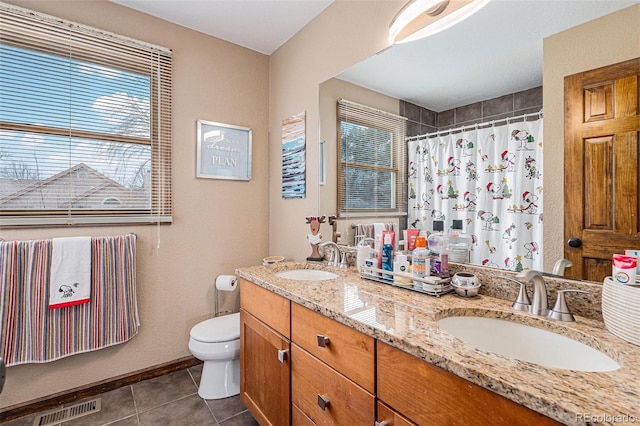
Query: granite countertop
x=407 y=320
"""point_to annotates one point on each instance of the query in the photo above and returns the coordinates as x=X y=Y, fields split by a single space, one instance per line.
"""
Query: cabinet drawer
x=348 y=403
x=348 y=351
x=268 y=307
x=388 y=417
x=429 y=395
x=298 y=418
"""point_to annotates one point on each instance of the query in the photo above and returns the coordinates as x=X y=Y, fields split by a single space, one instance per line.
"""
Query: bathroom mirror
x=442 y=84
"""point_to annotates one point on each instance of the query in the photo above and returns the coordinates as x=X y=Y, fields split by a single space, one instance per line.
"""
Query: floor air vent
x=68 y=413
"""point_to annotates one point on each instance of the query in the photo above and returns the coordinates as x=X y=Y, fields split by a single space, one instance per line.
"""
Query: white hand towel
x=70 y=281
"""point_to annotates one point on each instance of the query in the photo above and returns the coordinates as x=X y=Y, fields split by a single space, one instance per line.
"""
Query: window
x=372 y=161
x=85 y=124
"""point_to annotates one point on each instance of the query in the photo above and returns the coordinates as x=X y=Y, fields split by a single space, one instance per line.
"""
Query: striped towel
x=32 y=333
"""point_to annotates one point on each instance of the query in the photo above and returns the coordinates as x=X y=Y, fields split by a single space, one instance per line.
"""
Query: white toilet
x=216 y=341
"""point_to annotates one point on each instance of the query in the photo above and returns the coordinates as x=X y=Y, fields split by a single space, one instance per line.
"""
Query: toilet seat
x=219 y=329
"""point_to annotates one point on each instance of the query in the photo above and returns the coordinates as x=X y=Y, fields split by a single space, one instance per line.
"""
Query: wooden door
x=601 y=155
x=264 y=373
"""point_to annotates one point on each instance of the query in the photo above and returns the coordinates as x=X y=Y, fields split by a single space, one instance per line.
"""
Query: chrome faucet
x=336 y=253
x=540 y=303
x=560 y=265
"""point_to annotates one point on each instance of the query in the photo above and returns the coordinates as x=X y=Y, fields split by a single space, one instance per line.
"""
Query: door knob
x=282 y=355
x=574 y=242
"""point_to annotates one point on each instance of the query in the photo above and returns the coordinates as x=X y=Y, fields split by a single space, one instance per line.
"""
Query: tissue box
x=621 y=310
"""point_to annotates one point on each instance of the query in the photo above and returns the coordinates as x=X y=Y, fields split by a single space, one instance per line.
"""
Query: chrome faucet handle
x=560 y=311
x=344 y=260
x=522 y=302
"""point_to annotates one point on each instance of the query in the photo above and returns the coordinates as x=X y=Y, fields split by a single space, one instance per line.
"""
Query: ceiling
x=260 y=25
x=496 y=51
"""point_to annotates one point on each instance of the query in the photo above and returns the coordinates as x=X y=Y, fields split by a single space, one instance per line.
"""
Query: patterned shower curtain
x=489 y=177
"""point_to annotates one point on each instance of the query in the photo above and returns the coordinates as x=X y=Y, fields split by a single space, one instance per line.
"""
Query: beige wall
x=608 y=40
x=218 y=225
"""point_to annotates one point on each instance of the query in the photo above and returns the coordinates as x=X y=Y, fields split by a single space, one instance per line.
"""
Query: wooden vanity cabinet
x=265 y=357
x=332 y=371
x=426 y=394
x=302 y=368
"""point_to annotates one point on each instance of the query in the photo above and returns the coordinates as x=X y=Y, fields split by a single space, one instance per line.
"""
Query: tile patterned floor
x=167 y=400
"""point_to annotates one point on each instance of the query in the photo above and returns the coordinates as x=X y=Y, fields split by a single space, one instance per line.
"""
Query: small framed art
x=223 y=152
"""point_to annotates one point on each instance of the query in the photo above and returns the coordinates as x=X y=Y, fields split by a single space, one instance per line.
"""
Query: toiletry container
x=401 y=265
x=370 y=262
x=459 y=243
x=387 y=256
x=420 y=261
x=438 y=244
x=363 y=250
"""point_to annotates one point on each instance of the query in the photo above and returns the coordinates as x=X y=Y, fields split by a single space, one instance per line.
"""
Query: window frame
x=365 y=116
x=25 y=29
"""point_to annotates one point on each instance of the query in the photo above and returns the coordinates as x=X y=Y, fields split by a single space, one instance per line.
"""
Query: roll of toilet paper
x=226 y=282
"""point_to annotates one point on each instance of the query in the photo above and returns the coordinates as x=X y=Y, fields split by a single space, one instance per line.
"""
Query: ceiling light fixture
x=422 y=18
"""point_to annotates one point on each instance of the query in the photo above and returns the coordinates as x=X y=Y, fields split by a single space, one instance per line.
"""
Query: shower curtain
x=491 y=179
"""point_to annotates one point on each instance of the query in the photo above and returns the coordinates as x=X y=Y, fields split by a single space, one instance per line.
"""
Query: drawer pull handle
x=282 y=355
x=323 y=402
x=323 y=341
x=382 y=423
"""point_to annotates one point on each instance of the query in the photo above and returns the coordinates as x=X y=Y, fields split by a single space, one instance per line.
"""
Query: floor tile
x=167 y=400
x=191 y=411
x=22 y=421
x=196 y=373
x=225 y=408
x=242 y=419
x=128 y=421
x=160 y=390
x=115 y=405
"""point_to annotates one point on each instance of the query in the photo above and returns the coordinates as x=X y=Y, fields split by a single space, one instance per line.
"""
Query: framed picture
x=294 y=164
x=224 y=151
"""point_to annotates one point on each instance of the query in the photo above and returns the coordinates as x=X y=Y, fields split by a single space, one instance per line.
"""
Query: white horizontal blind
x=85 y=124
x=372 y=160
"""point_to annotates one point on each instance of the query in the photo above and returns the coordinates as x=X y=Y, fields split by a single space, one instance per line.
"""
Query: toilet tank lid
x=219 y=329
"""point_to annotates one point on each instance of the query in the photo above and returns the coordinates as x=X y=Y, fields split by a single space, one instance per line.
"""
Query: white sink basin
x=526 y=343
x=307 y=275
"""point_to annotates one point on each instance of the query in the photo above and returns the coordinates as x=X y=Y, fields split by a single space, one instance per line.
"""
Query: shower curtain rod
x=473 y=126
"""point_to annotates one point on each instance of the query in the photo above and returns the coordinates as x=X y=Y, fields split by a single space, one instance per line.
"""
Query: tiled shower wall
x=422 y=120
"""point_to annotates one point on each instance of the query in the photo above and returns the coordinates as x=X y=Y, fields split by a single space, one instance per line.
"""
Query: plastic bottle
x=420 y=261
x=363 y=252
x=370 y=262
x=387 y=256
x=401 y=265
x=459 y=243
x=438 y=244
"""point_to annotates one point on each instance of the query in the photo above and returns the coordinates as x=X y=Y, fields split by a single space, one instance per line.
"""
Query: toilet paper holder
x=224 y=284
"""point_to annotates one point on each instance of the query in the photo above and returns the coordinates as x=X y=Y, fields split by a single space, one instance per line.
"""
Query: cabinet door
x=429 y=395
x=264 y=372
